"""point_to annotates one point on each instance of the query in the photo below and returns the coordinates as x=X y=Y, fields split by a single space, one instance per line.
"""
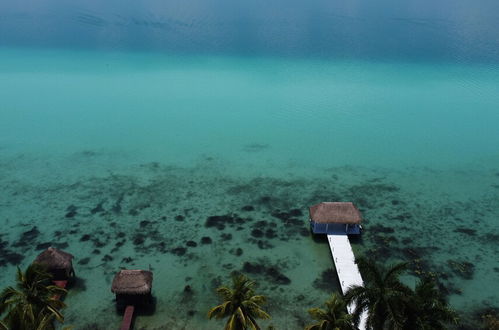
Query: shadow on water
x=143 y=309
x=77 y=284
x=322 y=238
x=356 y=239
x=319 y=238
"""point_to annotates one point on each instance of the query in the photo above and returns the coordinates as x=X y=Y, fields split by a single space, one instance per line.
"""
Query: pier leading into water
x=346 y=269
x=338 y=220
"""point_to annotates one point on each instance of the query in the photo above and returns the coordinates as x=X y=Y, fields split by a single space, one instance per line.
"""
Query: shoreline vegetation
x=34 y=303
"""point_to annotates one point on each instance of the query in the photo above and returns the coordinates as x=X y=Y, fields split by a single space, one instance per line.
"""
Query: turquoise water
x=125 y=129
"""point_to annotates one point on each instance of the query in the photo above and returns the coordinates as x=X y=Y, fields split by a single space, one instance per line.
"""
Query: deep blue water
x=446 y=30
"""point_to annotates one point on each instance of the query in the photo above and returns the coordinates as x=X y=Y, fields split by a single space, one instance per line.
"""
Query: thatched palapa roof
x=53 y=258
x=335 y=212
x=129 y=281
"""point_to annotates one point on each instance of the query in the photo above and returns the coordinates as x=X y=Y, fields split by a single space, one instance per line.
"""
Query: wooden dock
x=126 y=324
x=346 y=268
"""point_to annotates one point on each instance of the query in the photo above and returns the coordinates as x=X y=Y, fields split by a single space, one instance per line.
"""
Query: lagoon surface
x=191 y=138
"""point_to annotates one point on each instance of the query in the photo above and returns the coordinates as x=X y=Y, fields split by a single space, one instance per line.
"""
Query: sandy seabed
x=193 y=226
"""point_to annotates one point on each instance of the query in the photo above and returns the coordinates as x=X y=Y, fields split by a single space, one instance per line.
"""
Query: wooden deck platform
x=346 y=268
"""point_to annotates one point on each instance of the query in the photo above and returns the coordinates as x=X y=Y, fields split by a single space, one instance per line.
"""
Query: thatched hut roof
x=335 y=212
x=129 y=281
x=53 y=258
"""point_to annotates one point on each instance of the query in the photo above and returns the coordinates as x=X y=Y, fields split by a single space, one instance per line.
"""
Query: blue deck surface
x=334 y=229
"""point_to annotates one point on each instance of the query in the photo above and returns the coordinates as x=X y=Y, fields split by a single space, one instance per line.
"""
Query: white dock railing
x=346 y=268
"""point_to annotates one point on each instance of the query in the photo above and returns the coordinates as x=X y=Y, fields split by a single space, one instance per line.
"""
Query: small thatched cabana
x=335 y=218
x=132 y=287
x=57 y=262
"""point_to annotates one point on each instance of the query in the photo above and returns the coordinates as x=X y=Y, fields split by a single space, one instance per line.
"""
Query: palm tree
x=334 y=317
x=383 y=295
x=33 y=304
x=427 y=309
x=240 y=304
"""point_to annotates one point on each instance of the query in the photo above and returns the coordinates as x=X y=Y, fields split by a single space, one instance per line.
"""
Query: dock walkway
x=346 y=268
x=126 y=324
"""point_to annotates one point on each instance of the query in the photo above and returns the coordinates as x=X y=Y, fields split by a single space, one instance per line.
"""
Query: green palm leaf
x=239 y=304
x=383 y=295
x=335 y=316
x=31 y=305
x=428 y=309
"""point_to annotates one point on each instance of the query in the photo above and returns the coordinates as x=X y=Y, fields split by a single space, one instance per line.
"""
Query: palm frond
x=31 y=304
x=252 y=325
x=241 y=317
x=317 y=313
x=217 y=311
x=232 y=323
x=240 y=304
x=57 y=314
x=394 y=271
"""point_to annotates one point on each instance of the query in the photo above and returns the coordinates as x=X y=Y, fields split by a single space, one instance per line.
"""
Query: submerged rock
x=253 y=268
x=30 y=235
x=144 y=223
x=98 y=243
x=381 y=229
x=462 y=269
x=263 y=245
x=256 y=233
x=107 y=258
x=43 y=246
x=179 y=251
x=139 y=239
x=277 y=276
x=226 y=237
x=467 y=231
x=220 y=221
x=237 y=252
x=206 y=240
x=9 y=257
x=97 y=209
x=71 y=211
x=84 y=261
x=62 y=245
x=271 y=273
x=127 y=260
x=120 y=243
x=191 y=244
x=217 y=221
x=116 y=208
x=295 y=213
x=265 y=200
